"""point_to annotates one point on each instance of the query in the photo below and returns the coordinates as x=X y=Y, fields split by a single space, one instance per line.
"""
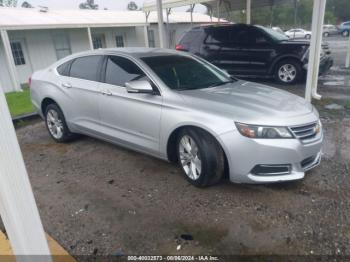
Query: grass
x=19 y=102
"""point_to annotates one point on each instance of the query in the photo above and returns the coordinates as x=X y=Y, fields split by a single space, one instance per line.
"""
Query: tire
x=56 y=124
x=292 y=69
x=307 y=36
x=208 y=161
x=345 y=33
x=326 y=34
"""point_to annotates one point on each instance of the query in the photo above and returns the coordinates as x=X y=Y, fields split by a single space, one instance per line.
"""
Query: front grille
x=305 y=132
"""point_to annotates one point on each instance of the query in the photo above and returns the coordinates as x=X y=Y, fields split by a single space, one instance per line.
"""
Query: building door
x=21 y=59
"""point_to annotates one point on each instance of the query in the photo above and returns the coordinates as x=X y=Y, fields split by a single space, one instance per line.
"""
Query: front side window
x=86 y=67
x=119 y=41
x=184 y=73
x=17 y=53
x=62 y=45
x=120 y=70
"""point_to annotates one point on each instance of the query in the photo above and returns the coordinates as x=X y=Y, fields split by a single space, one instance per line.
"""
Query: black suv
x=252 y=51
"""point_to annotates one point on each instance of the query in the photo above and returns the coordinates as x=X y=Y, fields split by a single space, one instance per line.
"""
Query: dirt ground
x=98 y=198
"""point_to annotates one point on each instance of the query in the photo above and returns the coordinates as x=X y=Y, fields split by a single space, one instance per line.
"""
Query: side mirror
x=139 y=86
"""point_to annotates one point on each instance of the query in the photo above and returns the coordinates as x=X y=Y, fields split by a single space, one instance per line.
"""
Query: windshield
x=274 y=34
x=184 y=73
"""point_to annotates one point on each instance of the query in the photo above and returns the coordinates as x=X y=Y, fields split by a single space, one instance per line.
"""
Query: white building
x=32 y=39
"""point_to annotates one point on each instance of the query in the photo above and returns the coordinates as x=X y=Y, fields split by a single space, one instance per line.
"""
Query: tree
x=132 y=6
x=89 y=4
x=25 y=4
x=8 y=3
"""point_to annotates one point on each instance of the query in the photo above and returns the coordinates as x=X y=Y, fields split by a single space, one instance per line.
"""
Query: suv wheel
x=288 y=71
x=345 y=33
x=56 y=124
x=200 y=157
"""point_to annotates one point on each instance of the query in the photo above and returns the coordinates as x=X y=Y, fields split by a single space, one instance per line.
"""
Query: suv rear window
x=63 y=69
x=190 y=37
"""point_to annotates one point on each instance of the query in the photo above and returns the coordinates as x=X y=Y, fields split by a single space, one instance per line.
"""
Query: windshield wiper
x=221 y=83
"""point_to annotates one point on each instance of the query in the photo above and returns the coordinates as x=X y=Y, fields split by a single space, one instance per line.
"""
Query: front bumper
x=244 y=154
x=326 y=63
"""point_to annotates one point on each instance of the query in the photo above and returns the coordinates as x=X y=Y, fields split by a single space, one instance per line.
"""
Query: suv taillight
x=179 y=47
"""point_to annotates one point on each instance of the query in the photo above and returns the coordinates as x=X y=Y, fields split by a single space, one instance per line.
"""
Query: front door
x=21 y=59
x=132 y=119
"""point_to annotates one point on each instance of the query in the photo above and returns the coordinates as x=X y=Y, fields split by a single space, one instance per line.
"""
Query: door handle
x=67 y=85
x=106 y=92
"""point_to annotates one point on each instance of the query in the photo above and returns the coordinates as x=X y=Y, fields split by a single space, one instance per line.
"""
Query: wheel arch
x=45 y=102
x=281 y=58
x=171 y=142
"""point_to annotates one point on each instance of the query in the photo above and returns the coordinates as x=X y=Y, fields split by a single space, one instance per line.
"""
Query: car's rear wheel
x=200 y=157
x=345 y=33
x=56 y=124
x=287 y=71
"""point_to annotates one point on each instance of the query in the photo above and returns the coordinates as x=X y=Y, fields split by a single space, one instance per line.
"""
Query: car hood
x=249 y=102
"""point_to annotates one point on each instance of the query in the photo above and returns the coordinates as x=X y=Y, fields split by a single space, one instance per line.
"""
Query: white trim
x=16 y=86
x=17 y=204
x=90 y=38
x=248 y=11
x=315 y=50
x=162 y=41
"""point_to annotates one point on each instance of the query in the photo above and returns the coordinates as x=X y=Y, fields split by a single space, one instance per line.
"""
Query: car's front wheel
x=325 y=34
x=288 y=71
x=56 y=124
x=345 y=33
x=200 y=157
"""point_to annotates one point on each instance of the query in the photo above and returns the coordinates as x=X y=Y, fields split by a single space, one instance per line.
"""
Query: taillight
x=30 y=81
x=179 y=47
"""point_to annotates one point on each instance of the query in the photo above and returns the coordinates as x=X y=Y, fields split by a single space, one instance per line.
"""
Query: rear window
x=190 y=37
x=63 y=69
x=86 y=67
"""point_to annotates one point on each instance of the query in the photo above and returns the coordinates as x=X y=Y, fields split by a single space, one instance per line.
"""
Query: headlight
x=269 y=132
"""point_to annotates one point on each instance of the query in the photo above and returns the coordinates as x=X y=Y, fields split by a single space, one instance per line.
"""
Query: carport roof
x=32 y=18
x=232 y=4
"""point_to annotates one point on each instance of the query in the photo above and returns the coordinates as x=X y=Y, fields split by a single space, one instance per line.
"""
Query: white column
x=347 y=62
x=90 y=38
x=191 y=9
x=315 y=48
x=218 y=4
x=17 y=204
x=10 y=61
x=248 y=11
x=160 y=24
x=145 y=30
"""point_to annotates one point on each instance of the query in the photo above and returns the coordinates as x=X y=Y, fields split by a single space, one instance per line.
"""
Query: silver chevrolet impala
x=180 y=108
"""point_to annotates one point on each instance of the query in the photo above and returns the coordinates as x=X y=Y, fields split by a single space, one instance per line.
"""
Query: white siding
x=5 y=80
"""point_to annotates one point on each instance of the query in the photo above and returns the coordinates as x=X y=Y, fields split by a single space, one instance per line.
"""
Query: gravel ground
x=97 y=198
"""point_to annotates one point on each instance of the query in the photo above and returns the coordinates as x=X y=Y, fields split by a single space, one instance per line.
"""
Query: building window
x=17 y=53
x=98 y=41
x=151 y=41
x=62 y=46
x=119 y=41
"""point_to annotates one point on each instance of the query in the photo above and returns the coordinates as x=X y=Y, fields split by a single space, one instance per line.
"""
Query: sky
x=110 y=4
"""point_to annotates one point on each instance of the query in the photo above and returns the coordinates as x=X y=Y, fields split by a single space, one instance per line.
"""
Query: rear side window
x=190 y=37
x=87 y=67
x=63 y=69
x=218 y=35
x=120 y=70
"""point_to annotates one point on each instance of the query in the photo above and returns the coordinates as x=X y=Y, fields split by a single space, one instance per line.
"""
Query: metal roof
x=32 y=18
x=151 y=5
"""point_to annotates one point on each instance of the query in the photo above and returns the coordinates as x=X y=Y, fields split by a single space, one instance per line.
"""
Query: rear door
x=222 y=49
x=81 y=87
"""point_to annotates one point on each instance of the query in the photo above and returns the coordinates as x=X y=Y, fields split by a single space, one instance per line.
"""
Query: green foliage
x=19 y=102
x=283 y=15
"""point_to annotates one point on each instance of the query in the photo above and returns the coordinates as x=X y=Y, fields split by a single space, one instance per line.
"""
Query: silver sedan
x=180 y=108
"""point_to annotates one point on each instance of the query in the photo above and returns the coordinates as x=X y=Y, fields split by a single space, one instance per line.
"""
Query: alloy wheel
x=190 y=158
x=54 y=124
x=287 y=73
